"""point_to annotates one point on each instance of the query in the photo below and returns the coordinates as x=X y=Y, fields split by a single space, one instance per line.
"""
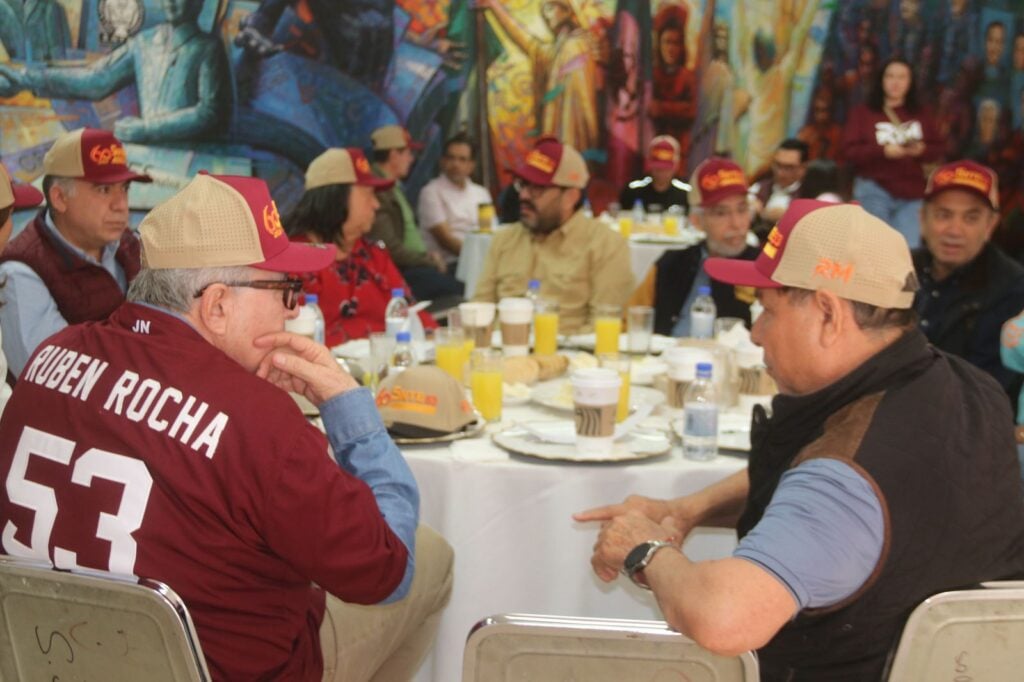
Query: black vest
x=933 y=435
x=676 y=271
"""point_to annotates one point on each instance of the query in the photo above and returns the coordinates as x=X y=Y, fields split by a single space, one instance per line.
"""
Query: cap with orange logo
x=223 y=221
x=338 y=166
x=393 y=137
x=551 y=163
x=663 y=153
x=835 y=247
x=968 y=176
x=90 y=154
x=716 y=179
x=422 y=402
x=17 y=196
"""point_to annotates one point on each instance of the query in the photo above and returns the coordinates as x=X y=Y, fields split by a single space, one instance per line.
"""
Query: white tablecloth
x=516 y=547
x=475 y=246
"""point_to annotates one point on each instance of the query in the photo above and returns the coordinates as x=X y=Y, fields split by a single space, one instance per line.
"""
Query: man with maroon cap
x=579 y=261
x=969 y=286
x=12 y=197
x=886 y=473
x=661 y=187
x=394 y=152
x=161 y=443
x=722 y=211
x=74 y=262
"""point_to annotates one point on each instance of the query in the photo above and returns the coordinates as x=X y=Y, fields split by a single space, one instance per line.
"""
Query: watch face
x=636 y=556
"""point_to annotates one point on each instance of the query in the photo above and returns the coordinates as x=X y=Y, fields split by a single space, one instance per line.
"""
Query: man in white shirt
x=448 y=204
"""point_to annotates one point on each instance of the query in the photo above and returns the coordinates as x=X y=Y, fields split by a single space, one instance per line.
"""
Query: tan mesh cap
x=90 y=154
x=423 y=401
x=393 y=137
x=224 y=221
x=553 y=164
x=833 y=247
x=338 y=166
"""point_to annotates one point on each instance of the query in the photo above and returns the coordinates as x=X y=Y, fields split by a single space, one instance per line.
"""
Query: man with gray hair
x=73 y=262
x=886 y=473
x=159 y=443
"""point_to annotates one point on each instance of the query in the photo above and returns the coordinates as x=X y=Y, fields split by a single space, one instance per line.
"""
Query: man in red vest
x=74 y=262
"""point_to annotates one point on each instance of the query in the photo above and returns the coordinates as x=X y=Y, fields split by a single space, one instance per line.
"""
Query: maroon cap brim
x=26 y=196
x=738 y=272
x=119 y=176
x=533 y=175
x=660 y=165
x=300 y=258
x=375 y=182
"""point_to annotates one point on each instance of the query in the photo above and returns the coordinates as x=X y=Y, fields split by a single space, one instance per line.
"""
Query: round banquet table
x=517 y=548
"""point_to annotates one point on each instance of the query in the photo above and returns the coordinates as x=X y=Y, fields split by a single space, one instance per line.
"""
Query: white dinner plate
x=641 y=444
x=558 y=395
x=659 y=343
x=733 y=430
x=359 y=349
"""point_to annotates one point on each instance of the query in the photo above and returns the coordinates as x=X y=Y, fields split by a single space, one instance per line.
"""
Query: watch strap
x=651 y=548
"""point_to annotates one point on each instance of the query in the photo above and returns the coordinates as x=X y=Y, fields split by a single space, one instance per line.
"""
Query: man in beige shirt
x=579 y=261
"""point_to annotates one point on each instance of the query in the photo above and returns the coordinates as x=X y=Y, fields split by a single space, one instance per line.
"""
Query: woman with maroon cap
x=11 y=197
x=337 y=208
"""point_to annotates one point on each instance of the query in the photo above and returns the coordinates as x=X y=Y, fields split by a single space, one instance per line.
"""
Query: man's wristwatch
x=638 y=558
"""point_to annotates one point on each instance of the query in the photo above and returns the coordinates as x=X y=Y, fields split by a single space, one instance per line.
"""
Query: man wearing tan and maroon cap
x=73 y=262
x=579 y=261
x=661 y=187
x=722 y=211
x=886 y=472
x=394 y=152
x=969 y=286
x=169 y=448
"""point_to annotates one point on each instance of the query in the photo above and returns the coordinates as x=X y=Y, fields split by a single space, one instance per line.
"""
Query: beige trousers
x=388 y=643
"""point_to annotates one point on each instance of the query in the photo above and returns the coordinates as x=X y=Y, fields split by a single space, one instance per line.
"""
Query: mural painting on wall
x=261 y=87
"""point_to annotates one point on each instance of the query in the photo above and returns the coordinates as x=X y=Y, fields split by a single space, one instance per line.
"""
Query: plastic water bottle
x=318 y=322
x=638 y=214
x=588 y=210
x=533 y=291
x=396 y=314
x=700 y=427
x=702 y=314
x=403 y=357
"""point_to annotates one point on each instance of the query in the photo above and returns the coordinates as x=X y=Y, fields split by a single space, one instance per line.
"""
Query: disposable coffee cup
x=515 y=315
x=477 y=321
x=682 y=370
x=595 y=395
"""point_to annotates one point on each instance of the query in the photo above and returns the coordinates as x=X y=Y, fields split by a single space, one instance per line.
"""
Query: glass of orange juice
x=485 y=383
x=451 y=352
x=625 y=225
x=545 y=327
x=620 y=364
x=607 y=327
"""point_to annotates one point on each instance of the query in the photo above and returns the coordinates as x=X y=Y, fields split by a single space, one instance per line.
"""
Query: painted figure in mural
x=996 y=76
x=564 y=71
x=35 y=30
x=822 y=134
x=673 y=107
x=958 y=39
x=769 y=62
x=357 y=34
x=181 y=74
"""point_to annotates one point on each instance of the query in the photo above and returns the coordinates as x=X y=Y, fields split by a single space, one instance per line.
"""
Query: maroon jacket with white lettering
x=157 y=455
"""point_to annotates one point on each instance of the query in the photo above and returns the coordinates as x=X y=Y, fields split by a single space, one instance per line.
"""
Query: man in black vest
x=74 y=262
x=886 y=473
x=722 y=211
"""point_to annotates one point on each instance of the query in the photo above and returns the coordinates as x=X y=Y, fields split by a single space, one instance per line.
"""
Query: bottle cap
x=704 y=290
x=704 y=370
x=533 y=285
x=398 y=292
x=403 y=337
x=311 y=298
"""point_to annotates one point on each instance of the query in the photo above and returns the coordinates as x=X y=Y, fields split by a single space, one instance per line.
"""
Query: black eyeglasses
x=289 y=288
x=522 y=186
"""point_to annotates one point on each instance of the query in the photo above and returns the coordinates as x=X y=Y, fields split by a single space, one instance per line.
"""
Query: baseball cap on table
x=551 y=163
x=968 y=176
x=836 y=247
x=18 y=196
x=663 y=153
x=393 y=137
x=715 y=179
x=423 y=402
x=224 y=221
x=338 y=166
x=90 y=154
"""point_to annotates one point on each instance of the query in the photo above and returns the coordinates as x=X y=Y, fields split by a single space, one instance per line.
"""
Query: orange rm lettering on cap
x=540 y=161
x=272 y=220
x=831 y=269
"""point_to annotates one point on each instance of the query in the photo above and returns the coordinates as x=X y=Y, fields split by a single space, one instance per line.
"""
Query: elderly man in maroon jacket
x=74 y=262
